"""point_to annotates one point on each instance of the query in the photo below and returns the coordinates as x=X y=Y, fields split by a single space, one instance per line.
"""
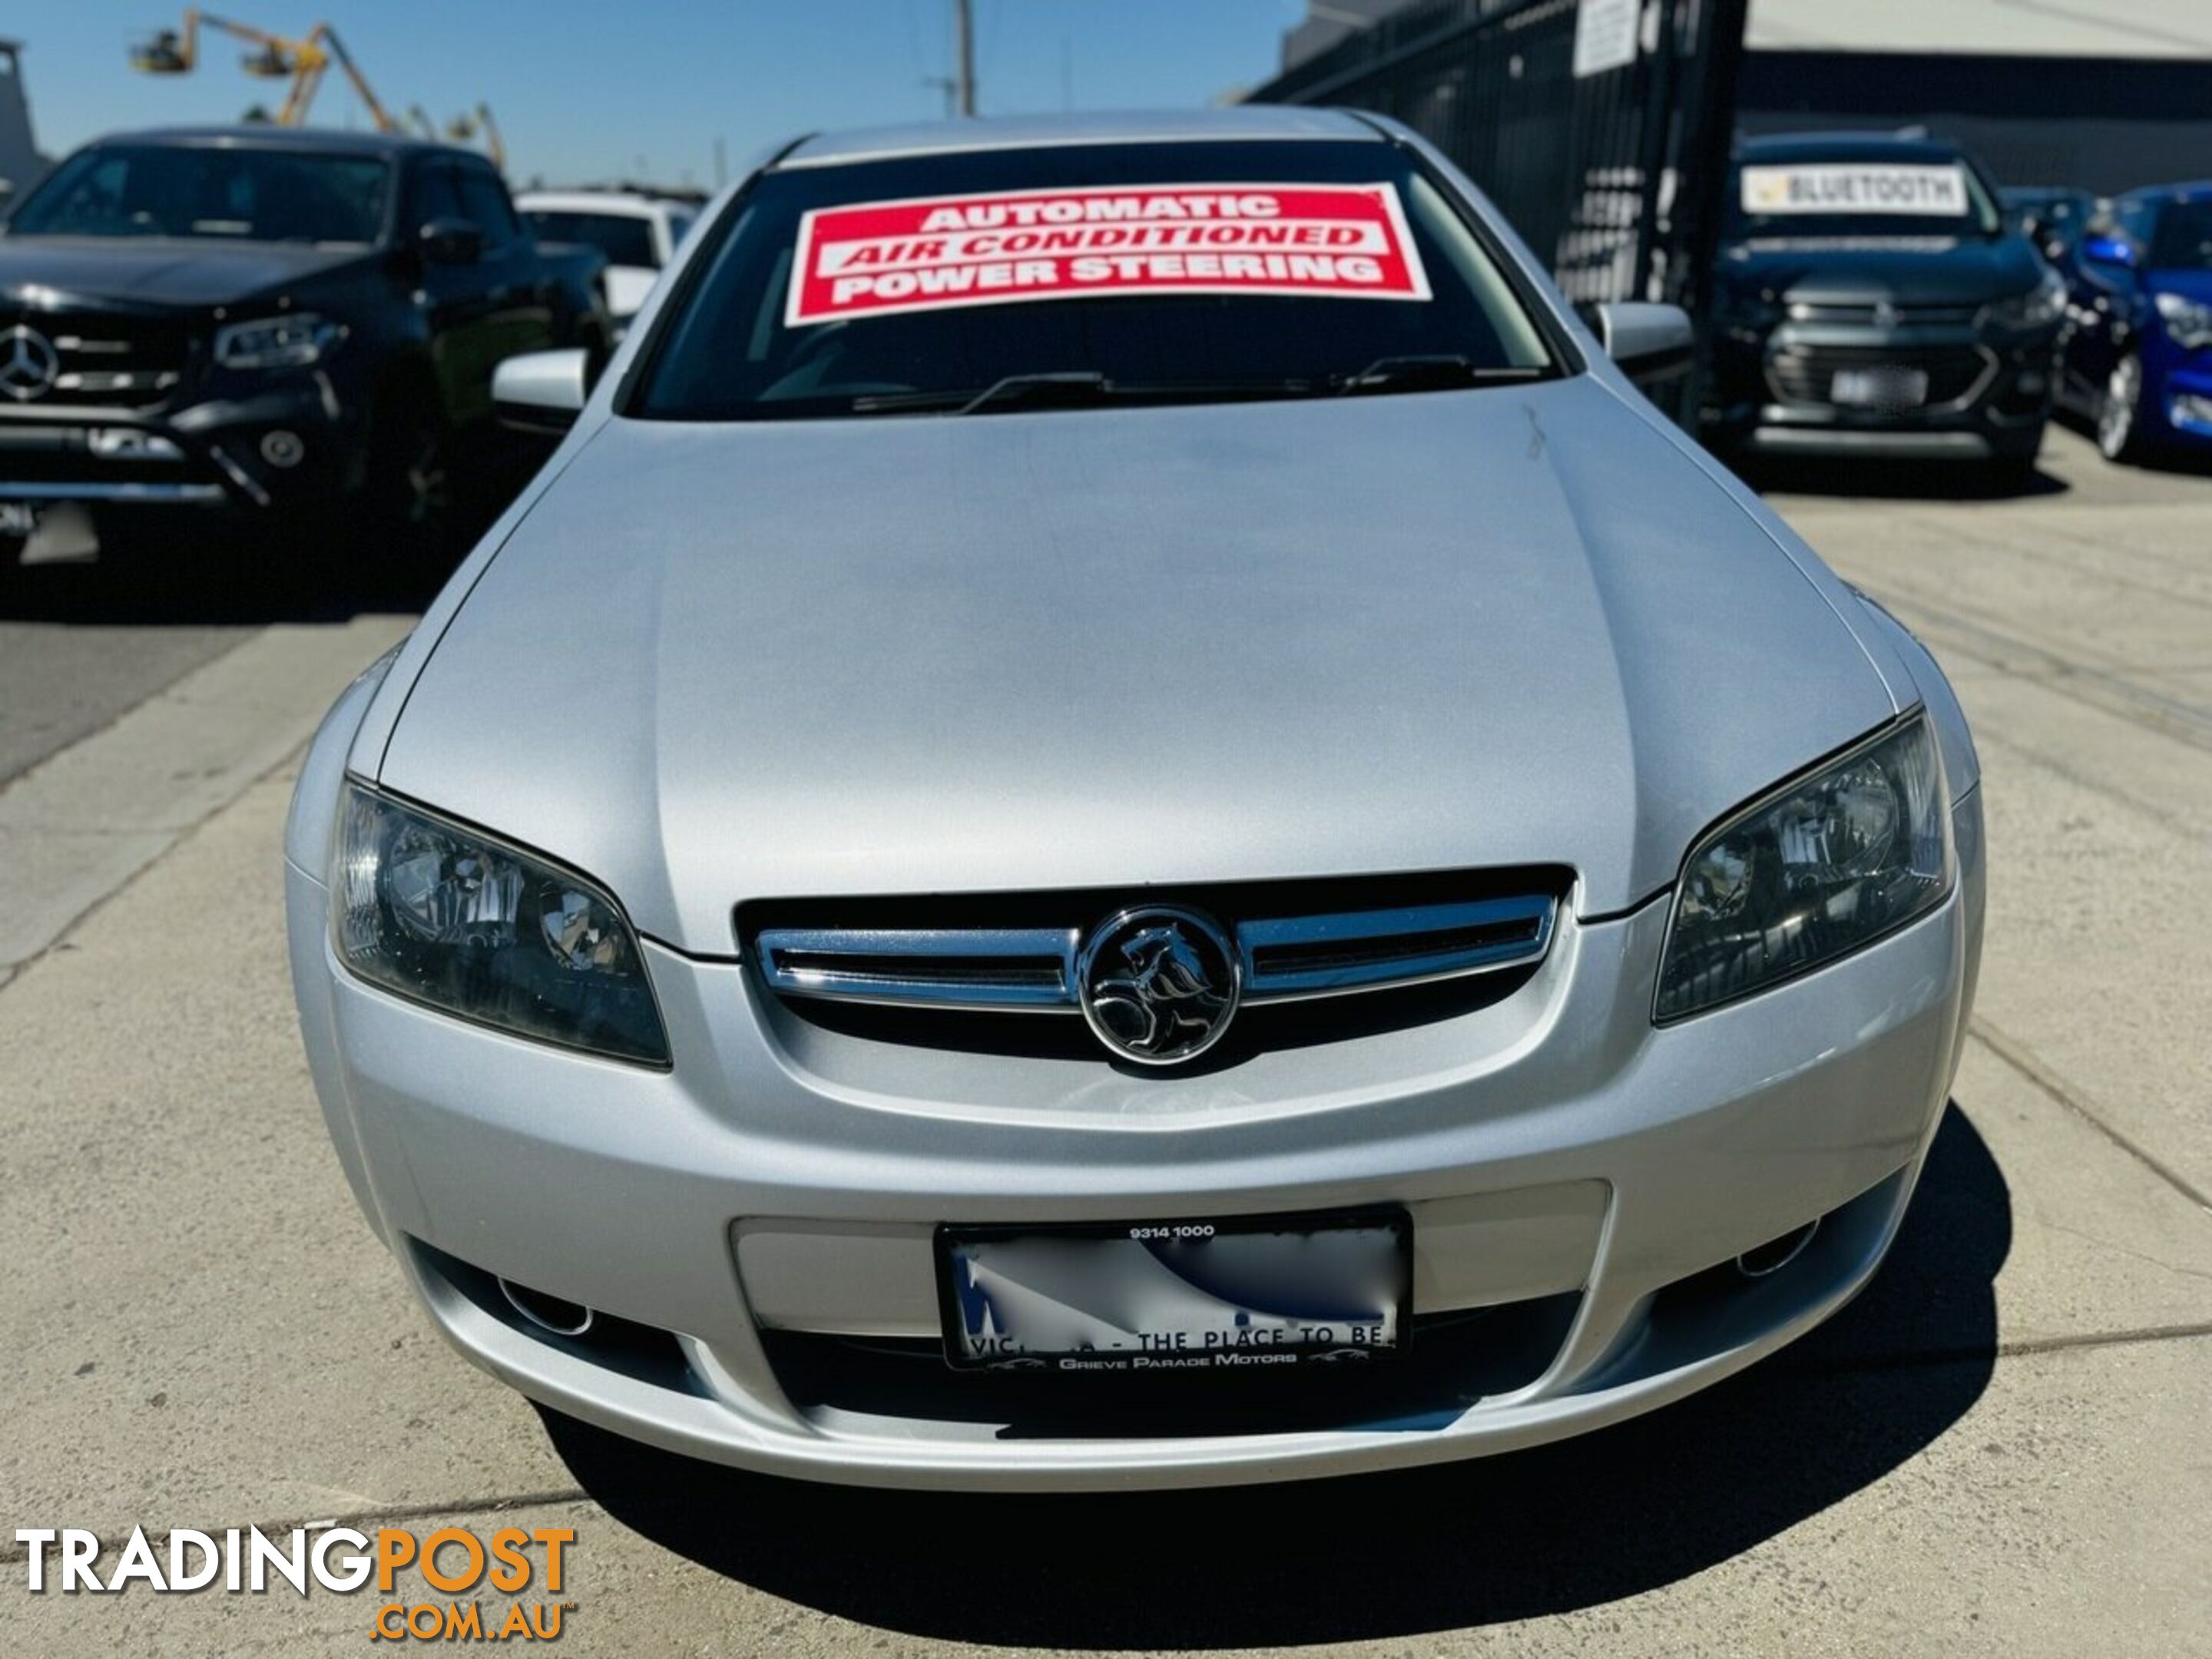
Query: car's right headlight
x=291 y=341
x=448 y=915
x=2188 y=322
x=2044 y=304
x=1816 y=869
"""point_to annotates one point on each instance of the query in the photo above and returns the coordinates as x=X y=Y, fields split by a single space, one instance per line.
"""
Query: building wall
x=2100 y=123
x=2062 y=29
x=2044 y=28
x=1326 y=24
x=20 y=164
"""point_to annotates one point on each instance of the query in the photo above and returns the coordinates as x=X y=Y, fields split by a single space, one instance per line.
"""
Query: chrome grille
x=1034 y=969
x=1804 y=375
x=926 y=967
x=109 y=362
x=1871 y=314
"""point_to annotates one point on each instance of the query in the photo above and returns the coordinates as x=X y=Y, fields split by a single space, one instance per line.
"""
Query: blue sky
x=586 y=90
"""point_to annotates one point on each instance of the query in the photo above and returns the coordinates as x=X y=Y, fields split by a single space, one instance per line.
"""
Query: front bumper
x=290 y=444
x=1990 y=395
x=780 y=1187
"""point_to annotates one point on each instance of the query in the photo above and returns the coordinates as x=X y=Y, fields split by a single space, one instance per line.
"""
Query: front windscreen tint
x=746 y=346
x=212 y=192
x=624 y=239
x=2182 y=240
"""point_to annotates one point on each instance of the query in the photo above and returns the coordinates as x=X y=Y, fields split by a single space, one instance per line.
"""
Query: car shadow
x=1894 y=480
x=1565 y=1527
x=214 y=572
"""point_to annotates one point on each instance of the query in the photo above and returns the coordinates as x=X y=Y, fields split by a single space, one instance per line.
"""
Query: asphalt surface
x=2002 y=1448
x=82 y=643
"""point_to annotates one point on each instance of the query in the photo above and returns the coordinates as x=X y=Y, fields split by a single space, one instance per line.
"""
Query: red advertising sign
x=880 y=258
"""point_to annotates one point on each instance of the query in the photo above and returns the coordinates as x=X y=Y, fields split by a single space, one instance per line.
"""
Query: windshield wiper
x=1428 y=372
x=1075 y=385
x=1073 y=388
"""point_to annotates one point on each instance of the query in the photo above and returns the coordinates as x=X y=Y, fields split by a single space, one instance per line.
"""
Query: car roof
x=326 y=140
x=1241 y=121
x=2157 y=193
x=1845 y=147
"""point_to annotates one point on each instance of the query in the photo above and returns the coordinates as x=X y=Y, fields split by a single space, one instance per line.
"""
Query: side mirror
x=1646 y=340
x=451 y=241
x=2114 y=251
x=626 y=287
x=541 y=391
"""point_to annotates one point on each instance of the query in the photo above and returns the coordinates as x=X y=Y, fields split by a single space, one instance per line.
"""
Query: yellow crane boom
x=306 y=60
x=465 y=128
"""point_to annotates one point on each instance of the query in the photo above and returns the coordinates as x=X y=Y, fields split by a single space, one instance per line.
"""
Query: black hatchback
x=1873 y=299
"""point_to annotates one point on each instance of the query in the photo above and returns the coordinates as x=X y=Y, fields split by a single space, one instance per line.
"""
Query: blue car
x=2138 y=340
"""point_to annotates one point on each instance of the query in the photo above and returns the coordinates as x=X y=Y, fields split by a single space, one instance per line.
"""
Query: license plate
x=1247 y=1293
x=1879 y=388
x=18 y=519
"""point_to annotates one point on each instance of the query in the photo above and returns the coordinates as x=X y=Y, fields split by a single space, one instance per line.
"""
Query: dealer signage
x=1936 y=191
x=880 y=258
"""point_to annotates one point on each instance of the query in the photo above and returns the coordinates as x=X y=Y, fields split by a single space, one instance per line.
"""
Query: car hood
x=156 y=273
x=1931 y=271
x=1129 y=648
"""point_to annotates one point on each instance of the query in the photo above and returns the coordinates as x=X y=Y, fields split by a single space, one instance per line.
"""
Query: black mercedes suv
x=1873 y=299
x=267 y=322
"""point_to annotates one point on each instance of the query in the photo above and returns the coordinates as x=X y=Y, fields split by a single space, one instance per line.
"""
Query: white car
x=638 y=233
x=1121 y=817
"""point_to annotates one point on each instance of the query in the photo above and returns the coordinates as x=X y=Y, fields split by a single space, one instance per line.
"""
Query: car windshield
x=1857 y=196
x=1003 y=280
x=2183 y=241
x=625 y=239
x=221 y=192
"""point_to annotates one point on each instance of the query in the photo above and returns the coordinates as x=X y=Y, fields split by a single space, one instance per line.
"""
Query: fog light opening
x=1776 y=1253
x=547 y=1313
x=283 y=448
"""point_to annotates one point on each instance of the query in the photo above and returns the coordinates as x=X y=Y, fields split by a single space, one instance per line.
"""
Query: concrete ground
x=2002 y=1448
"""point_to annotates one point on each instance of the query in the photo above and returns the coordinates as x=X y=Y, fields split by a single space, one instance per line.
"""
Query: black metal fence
x=1600 y=128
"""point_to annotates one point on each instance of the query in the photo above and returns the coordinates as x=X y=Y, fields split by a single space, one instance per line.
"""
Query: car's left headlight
x=2042 y=305
x=1820 y=867
x=292 y=341
x=448 y=915
x=2188 y=322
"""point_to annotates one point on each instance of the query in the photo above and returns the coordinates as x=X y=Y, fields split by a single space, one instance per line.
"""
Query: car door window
x=2183 y=238
x=485 y=202
x=433 y=195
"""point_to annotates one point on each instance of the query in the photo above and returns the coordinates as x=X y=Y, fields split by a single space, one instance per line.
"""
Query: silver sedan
x=1119 y=815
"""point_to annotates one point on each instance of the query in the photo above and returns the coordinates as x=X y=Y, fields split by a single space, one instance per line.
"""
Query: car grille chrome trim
x=1033 y=969
x=1869 y=313
x=1369 y=950
x=1008 y=968
x=123 y=362
x=1801 y=375
x=184 y=494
